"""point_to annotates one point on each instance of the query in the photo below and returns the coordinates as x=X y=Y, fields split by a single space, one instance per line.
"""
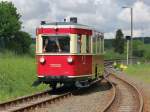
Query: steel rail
x=139 y=95
x=26 y=104
x=119 y=59
x=40 y=104
x=22 y=99
x=112 y=98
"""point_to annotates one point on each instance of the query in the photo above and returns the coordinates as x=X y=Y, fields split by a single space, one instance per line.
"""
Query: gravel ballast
x=93 y=99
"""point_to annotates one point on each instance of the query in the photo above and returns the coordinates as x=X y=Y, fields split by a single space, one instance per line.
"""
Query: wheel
x=70 y=84
x=53 y=85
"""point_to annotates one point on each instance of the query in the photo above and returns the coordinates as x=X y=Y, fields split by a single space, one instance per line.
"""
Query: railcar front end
x=68 y=53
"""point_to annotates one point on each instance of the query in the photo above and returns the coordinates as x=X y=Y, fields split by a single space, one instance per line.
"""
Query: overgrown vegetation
x=17 y=74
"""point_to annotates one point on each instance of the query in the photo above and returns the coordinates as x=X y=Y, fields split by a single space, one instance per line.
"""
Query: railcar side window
x=94 y=44
x=53 y=44
x=79 y=43
x=98 y=45
x=88 y=44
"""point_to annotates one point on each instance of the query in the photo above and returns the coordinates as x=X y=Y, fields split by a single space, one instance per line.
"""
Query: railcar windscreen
x=56 y=44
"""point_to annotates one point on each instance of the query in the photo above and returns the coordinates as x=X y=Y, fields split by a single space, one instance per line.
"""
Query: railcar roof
x=65 y=23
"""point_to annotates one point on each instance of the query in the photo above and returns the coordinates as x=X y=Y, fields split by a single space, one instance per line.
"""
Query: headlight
x=70 y=59
x=42 y=60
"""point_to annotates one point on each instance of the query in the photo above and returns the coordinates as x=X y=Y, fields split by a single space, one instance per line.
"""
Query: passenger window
x=98 y=44
x=94 y=40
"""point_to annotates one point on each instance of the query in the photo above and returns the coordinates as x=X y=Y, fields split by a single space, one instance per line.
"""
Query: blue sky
x=105 y=15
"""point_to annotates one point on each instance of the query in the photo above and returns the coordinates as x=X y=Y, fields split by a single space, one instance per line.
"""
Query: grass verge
x=140 y=72
x=17 y=74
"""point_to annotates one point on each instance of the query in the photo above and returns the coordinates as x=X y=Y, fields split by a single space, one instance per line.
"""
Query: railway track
x=31 y=102
x=126 y=97
x=36 y=101
x=108 y=62
x=113 y=96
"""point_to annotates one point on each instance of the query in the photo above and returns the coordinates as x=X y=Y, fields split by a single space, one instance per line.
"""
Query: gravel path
x=93 y=99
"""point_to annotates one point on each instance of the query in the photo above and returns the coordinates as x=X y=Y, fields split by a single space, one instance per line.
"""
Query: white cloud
x=31 y=25
x=105 y=15
x=109 y=35
x=141 y=13
x=136 y=32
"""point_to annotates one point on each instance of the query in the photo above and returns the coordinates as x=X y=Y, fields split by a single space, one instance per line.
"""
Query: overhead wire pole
x=127 y=52
x=131 y=9
x=142 y=25
x=131 y=42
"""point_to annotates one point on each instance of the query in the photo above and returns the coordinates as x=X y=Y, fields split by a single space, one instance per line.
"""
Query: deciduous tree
x=11 y=36
x=9 y=19
x=21 y=42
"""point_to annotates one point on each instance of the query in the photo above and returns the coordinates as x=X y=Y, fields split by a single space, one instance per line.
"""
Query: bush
x=146 y=51
x=110 y=54
x=137 y=48
x=20 y=44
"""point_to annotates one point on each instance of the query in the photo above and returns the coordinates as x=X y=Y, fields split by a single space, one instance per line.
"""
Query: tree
x=118 y=42
x=9 y=21
x=21 y=42
x=10 y=35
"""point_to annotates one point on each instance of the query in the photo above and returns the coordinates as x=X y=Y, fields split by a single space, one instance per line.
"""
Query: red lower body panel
x=57 y=65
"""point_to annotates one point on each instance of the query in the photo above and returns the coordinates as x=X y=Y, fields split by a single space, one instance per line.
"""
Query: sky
x=105 y=15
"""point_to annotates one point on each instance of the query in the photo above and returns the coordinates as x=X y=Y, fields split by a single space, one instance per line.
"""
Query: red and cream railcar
x=68 y=53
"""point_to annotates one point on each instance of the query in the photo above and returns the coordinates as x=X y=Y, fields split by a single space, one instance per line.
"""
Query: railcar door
x=85 y=51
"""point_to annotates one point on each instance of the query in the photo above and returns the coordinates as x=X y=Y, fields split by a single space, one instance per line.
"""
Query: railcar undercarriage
x=81 y=82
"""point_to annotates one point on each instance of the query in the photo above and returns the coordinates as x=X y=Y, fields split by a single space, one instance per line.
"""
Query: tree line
x=140 y=45
x=11 y=36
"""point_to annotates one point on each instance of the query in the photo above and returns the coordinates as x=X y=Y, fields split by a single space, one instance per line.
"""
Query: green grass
x=17 y=74
x=140 y=72
x=32 y=50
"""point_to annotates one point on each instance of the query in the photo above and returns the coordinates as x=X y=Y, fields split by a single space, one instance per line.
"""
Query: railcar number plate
x=55 y=65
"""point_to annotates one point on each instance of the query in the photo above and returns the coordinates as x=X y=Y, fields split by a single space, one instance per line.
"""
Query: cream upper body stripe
x=66 y=26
